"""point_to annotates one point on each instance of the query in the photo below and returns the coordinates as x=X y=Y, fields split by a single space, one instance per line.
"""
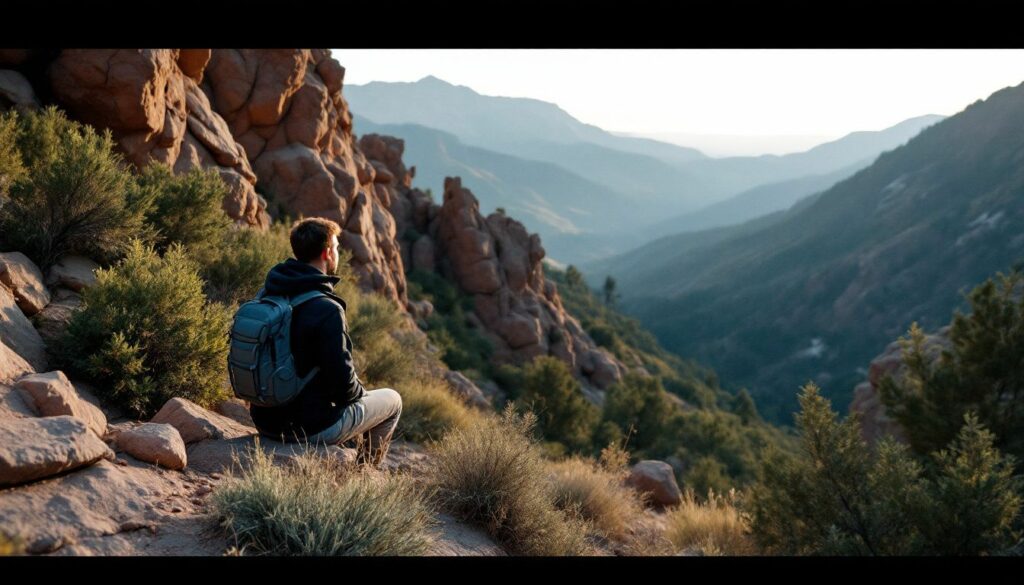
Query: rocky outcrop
x=51 y=394
x=34 y=448
x=24 y=279
x=496 y=261
x=656 y=479
x=875 y=423
x=12 y=365
x=465 y=389
x=285 y=106
x=151 y=101
x=54 y=319
x=17 y=333
x=154 y=443
x=195 y=423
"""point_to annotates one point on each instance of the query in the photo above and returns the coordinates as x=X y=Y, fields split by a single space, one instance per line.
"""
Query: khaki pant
x=371 y=422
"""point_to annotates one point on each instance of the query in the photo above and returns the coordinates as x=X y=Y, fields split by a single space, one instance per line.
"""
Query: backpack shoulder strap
x=299 y=299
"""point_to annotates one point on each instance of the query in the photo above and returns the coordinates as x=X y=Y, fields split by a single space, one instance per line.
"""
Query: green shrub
x=840 y=498
x=146 y=333
x=510 y=378
x=313 y=507
x=638 y=403
x=462 y=347
x=11 y=167
x=551 y=392
x=78 y=196
x=493 y=474
x=187 y=210
x=239 y=268
x=976 y=498
x=983 y=372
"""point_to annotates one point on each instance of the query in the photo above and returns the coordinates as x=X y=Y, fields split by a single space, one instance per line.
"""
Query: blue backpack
x=260 y=362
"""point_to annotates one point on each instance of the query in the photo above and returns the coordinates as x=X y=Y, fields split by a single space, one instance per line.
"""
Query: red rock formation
x=875 y=423
x=150 y=101
x=286 y=108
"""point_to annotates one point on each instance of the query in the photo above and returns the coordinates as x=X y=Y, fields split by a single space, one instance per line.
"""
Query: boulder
x=219 y=456
x=16 y=92
x=656 y=479
x=12 y=404
x=420 y=309
x=51 y=394
x=423 y=254
x=154 y=443
x=195 y=423
x=24 y=279
x=18 y=334
x=12 y=365
x=875 y=421
x=74 y=272
x=34 y=448
x=237 y=410
x=53 y=321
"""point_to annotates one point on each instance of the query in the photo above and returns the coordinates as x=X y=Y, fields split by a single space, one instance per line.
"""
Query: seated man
x=333 y=407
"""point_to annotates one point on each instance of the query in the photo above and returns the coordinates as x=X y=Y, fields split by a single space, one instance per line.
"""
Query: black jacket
x=319 y=338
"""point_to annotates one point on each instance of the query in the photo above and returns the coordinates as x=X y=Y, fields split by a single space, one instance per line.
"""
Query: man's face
x=332 y=256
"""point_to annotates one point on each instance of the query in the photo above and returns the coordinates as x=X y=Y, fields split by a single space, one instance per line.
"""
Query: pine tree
x=610 y=296
x=983 y=372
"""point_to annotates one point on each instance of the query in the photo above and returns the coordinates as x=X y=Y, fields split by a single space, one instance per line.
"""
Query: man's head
x=315 y=241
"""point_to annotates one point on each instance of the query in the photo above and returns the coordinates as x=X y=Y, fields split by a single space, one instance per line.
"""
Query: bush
x=492 y=474
x=384 y=354
x=11 y=167
x=187 y=209
x=315 y=508
x=983 y=372
x=550 y=391
x=429 y=410
x=975 y=495
x=714 y=527
x=708 y=474
x=462 y=347
x=78 y=196
x=638 y=403
x=242 y=260
x=839 y=498
x=146 y=334
x=597 y=494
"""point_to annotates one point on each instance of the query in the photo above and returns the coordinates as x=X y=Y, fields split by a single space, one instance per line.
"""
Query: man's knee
x=393 y=397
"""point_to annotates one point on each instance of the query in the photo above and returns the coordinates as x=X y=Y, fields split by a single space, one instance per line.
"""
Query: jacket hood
x=292 y=277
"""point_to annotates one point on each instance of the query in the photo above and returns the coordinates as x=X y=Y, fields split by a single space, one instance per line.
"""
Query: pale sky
x=733 y=101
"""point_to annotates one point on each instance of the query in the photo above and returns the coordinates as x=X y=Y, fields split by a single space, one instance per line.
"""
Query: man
x=333 y=407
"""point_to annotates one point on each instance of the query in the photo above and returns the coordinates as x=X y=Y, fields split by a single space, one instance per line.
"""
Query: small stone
x=177 y=510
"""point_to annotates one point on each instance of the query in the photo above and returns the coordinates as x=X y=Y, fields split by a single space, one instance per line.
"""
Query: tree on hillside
x=839 y=497
x=982 y=373
x=610 y=295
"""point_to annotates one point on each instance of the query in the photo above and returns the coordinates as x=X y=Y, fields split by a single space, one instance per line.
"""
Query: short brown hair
x=312 y=236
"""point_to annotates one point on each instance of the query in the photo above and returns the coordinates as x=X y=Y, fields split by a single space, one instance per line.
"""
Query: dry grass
x=597 y=494
x=493 y=474
x=715 y=527
x=11 y=545
x=317 y=507
x=429 y=410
